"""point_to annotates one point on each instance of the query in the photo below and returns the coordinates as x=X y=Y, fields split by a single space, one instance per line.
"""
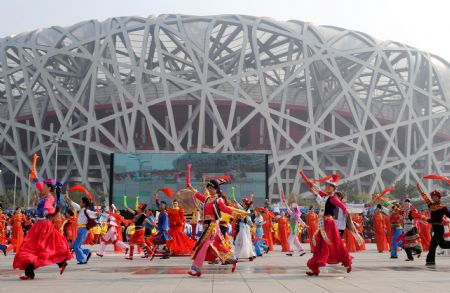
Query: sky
x=421 y=24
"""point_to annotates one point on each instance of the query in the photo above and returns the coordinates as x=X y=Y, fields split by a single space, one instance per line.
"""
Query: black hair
x=86 y=201
x=52 y=187
x=70 y=212
x=379 y=206
x=407 y=200
x=215 y=184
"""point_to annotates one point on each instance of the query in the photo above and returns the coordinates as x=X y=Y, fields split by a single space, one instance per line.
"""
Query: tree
x=403 y=191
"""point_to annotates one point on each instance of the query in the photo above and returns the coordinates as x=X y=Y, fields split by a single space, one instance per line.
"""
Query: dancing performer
x=260 y=246
x=380 y=229
x=119 y=220
x=424 y=230
x=162 y=237
x=42 y=245
x=312 y=221
x=111 y=237
x=243 y=241
x=268 y=217
x=359 y=224
x=437 y=213
x=396 y=229
x=3 y=220
x=283 y=232
x=410 y=236
x=85 y=219
x=180 y=244
x=17 y=229
x=329 y=247
x=294 y=220
x=206 y=247
x=139 y=231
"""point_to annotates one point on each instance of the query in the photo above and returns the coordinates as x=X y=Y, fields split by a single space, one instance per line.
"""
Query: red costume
x=425 y=231
x=267 y=227
x=17 y=230
x=379 y=223
x=283 y=233
x=329 y=247
x=3 y=219
x=119 y=220
x=358 y=219
x=312 y=221
x=387 y=224
x=180 y=244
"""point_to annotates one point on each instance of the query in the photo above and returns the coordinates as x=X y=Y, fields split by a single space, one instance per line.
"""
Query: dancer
x=42 y=245
x=86 y=218
x=119 y=220
x=437 y=213
x=17 y=228
x=260 y=246
x=283 y=232
x=396 y=229
x=111 y=237
x=380 y=229
x=162 y=237
x=3 y=219
x=329 y=248
x=312 y=221
x=294 y=220
x=180 y=244
x=206 y=248
x=424 y=230
x=268 y=217
x=243 y=241
x=359 y=224
x=138 y=237
x=410 y=236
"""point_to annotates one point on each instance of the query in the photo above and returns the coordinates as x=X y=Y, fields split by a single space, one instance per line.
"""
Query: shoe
x=62 y=268
x=430 y=263
x=302 y=253
x=98 y=254
x=26 y=277
x=267 y=250
x=129 y=258
x=144 y=256
x=409 y=259
x=394 y=256
x=311 y=273
x=349 y=268
x=250 y=258
x=289 y=254
x=81 y=263
x=419 y=254
x=4 y=251
x=194 y=274
x=88 y=257
x=164 y=257
x=234 y=263
x=126 y=251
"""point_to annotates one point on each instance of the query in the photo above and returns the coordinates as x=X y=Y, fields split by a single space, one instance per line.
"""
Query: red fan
x=283 y=199
x=436 y=177
x=188 y=174
x=389 y=189
x=334 y=177
x=307 y=181
x=167 y=191
x=83 y=189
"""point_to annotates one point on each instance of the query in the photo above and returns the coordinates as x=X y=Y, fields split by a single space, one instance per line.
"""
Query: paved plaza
x=275 y=272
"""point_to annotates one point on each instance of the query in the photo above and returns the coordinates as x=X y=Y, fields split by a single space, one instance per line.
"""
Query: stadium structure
x=319 y=98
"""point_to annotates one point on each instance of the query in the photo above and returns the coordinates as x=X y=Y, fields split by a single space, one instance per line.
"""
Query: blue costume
x=260 y=245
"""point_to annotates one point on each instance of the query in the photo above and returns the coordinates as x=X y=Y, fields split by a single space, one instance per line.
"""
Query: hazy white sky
x=421 y=24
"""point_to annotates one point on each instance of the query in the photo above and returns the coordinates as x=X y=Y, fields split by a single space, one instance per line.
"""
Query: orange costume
x=312 y=220
x=267 y=228
x=425 y=231
x=180 y=244
x=58 y=221
x=349 y=240
x=379 y=223
x=283 y=233
x=3 y=219
x=71 y=227
x=17 y=230
x=387 y=224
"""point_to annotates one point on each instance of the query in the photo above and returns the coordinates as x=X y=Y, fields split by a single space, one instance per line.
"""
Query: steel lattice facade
x=318 y=98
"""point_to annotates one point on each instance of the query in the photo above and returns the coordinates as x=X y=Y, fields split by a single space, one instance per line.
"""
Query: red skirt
x=138 y=237
x=331 y=253
x=180 y=244
x=43 y=245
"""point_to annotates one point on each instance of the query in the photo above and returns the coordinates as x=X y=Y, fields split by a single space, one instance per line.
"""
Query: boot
x=131 y=253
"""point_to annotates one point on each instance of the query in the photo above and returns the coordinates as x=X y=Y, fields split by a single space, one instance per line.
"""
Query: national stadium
x=319 y=98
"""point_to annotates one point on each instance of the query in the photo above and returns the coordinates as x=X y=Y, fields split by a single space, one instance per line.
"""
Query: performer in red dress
x=268 y=217
x=43 y=245
x=138 y=238
x=283 y=232
x=312 y=221
x=206 y=247
x=17 y=228
x=180 y=244
x=329 y=248
x=379 y=224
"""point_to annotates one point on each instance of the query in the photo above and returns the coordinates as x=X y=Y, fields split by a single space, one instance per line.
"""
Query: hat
x=52 y=182
x=214 y=183
x=436 y=193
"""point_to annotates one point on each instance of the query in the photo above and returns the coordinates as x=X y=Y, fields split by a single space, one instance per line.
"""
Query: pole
x=29 y=190
x=56 y=159
x=15 y=182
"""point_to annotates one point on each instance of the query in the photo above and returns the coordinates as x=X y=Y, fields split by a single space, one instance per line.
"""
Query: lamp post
x=56 y=140
x=14 y=194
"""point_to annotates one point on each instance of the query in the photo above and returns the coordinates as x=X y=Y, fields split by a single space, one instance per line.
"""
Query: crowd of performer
x=220 y=230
